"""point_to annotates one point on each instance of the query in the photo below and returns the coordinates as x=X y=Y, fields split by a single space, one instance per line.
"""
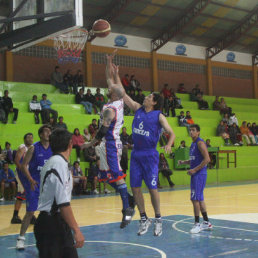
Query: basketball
x=101 y=28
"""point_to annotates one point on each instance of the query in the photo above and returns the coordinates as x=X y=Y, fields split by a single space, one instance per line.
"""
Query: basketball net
x=70 y=45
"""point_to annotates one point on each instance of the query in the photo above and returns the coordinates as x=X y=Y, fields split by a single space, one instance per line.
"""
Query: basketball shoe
x=144 y=226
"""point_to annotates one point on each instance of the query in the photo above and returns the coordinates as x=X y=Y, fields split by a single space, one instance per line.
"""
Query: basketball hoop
x=69 y=45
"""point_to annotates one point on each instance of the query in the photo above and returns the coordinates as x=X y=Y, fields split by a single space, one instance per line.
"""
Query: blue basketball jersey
x=146 y=129
x=196 y=157
x=38 y=160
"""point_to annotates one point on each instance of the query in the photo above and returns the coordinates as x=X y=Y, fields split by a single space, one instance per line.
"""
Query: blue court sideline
x=227 y=239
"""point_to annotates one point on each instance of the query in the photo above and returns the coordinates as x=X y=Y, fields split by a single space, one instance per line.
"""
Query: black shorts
x=54 y=237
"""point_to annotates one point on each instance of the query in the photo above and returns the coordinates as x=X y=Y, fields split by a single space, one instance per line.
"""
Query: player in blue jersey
x=199 y=158
x=20 y=177
x=35 y=158
x=147 y=124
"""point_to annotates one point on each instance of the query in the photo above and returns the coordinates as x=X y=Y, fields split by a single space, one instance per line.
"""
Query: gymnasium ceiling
x=149 y=18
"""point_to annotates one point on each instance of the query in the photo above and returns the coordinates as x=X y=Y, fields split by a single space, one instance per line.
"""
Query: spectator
x=134 y=83
x=57 y=80
x=93 y=127
x=182 y=145
x=78 y=81
x=188 y=118
x=235 y=135
x=139 y=98
x=126 y=83
x=124 y=137
x=47 y=110
x=182 y=119
x=166 y=94
x=232 y=120
x=251 y=132
x=8 y=107
x=178 y=102
x=68 y=81
x=208 y=143
x=78 y=141
x=2 y=112
x=195 y=92
x=88 y=97
x=224 y=108
x=213 y=158
x=93 y=176
x=165 y=170
x=99 y=99
x=225 y=118
x=132 y=94
x=8 y=153
x=171 y=105
x=35 y=107
x=80 y=99
x=203 y=105
x=216 y=104
x=254 y=130
x=163 y=139
x=52 y=123
x=86 y=135
x=7 y=179
x=90 y=154
x=181 y=88
x=246 y=134
x=78 y=177
x=222 y=131
x=61 y=123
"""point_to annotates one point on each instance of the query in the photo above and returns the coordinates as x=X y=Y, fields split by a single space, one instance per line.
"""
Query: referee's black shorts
x=54 y=238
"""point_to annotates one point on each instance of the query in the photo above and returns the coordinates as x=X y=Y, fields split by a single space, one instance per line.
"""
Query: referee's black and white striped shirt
x=56 y=185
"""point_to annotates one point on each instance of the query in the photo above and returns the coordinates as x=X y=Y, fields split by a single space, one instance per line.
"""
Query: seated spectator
x=8 y=107
x=235 y=135
x=57 y=80
x=99 y=99
x=78 y=81
x=254 y=130
x=251 y=131
x=246 y=134
x=195 y=92
x=232 y=119
x=68 y=81
x=35 y=107
x=52 y=123
x=126 y=83
x=171 y=105
x=164 y=170
x=78 y=141
x=93 y=127
x=166 y=94
x=139 y=98
x=224 y=108
x=80 y=99
x=46 y=110
x=188 y=118
x=132 y=94
x=216 y=104
x=93 y=176
x=134 y=83
x=208 y=143
x=212 y=155
x=203 y=104
x=182 y=145
x=90 y=154
x=225 y=118
x=78 y=177
x=8 y=153
x=88 y=97
x=222 y=131
x=181 y=88
x=178 y=101
x=7 y=179
x=86 y=135
x=61 y=123
x=182 y=119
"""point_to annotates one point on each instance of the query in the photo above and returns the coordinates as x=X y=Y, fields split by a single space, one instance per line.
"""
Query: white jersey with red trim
x=113 y=133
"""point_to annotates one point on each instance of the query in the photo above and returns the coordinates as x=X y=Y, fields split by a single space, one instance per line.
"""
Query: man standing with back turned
x=147 y=124
x=199 y=158
x=56 y=220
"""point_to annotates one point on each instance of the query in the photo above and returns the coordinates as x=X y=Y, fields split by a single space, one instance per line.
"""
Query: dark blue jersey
x=146 y=129
x=196 y=157
x=38 y=160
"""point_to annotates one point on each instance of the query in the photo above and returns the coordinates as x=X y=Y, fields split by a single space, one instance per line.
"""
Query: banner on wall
x=120 y=41
x=231 y=57
x=180 y=50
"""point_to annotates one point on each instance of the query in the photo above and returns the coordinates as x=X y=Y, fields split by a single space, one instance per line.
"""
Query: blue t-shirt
x=9 y=177
x=146 y=129
x=38 y=160
x=196 y=157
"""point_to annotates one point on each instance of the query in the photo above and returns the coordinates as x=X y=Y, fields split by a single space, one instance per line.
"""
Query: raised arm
x=164 y=123
x=18 y=157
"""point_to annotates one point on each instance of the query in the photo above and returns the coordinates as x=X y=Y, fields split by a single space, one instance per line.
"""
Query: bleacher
x=75 y=117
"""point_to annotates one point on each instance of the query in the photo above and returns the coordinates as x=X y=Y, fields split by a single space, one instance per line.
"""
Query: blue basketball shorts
x=198 y=182
x=32 y=197
x=144 y=166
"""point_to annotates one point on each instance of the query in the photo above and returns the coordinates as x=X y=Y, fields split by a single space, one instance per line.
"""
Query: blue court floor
x=228 y=239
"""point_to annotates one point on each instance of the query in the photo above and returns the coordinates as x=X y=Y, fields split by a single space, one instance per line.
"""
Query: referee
x=55 y=223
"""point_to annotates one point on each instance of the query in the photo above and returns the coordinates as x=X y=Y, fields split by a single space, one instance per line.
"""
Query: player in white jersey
x=28 y=141
x=111 y=121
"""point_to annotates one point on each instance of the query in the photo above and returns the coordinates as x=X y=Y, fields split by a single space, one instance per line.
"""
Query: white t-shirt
x=56 y=184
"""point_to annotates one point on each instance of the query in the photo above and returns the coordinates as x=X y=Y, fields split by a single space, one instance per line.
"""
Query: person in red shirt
x=126 y=83
x=78 y=141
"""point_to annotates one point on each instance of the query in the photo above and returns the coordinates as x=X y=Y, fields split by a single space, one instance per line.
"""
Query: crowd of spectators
x=130 y=83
